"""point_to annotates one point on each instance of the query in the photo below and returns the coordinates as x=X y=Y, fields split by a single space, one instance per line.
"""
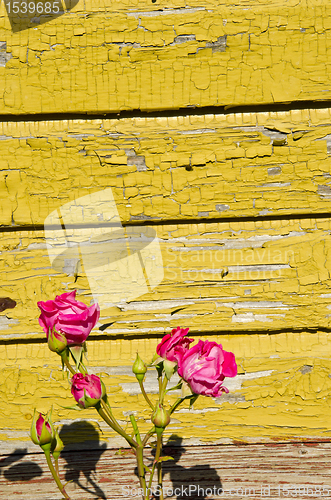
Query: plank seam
x=271 y=107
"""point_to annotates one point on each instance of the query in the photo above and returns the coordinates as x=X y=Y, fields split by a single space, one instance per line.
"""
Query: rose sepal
x=87 y=402
x=72 y=407
x=169 y=368
x=57 y=446
x=77 y=353
x=175 y=387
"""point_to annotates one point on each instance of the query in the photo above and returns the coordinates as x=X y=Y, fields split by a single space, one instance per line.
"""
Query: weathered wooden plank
x=282 y=391
x=212 y=277
x=111 y=56
x=255 y=471
x=171 y=168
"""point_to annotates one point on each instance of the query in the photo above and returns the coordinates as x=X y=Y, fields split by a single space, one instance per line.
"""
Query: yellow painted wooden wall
x=231 y=169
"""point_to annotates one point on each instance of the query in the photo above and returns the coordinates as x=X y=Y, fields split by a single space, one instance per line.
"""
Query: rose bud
x=205 y=366
x=71 y=318
x=160 y=418
x=57 y=342
x=172 y=343
x=57 y=445
x=87 y=390
x=42 y=430
x=139 y=368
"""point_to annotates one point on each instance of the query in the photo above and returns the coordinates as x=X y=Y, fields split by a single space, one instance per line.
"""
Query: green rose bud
x=57 y=445
x=42 y=431
x=57 y=341
x=160 y=418
x=139 y=368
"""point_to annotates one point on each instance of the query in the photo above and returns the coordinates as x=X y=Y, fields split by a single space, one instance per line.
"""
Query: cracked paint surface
x=107 y=56
x=263 y=275
x=195 y=167
x=240 y=203
x=282 y=391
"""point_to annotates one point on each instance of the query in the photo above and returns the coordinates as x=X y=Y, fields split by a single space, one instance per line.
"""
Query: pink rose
x=174 y=343
x=87 y=389
x=66 y=315
x=204 y=367
x=42 y=431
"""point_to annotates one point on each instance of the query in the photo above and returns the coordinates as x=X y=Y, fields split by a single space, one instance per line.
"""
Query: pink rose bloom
x=86 y=389
x=68 y=316
x=172 y=343
x=204 y=367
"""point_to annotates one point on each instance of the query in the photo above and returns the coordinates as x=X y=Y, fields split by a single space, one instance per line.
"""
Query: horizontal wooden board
x=264 y=275
x=177 y=168
x=111 y=56
x=281 y=392
x=256 y=471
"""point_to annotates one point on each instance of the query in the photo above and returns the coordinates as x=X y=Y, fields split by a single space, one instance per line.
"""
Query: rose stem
x=68 y=365
x=141 y=470
x=57 y=466
x=136 y=430
x=117 y=428
x=162 y=390
x=159 y=466
x=147 y=436
x=145 y=395
x=139 y=456
x=55 y=476
x=176 y=404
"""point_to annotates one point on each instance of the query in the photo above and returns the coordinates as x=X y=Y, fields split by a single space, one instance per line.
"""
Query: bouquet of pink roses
x=201 y=368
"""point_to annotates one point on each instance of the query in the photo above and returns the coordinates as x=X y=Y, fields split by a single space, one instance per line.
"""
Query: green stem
x=145 y=395
x=136 y=430
x=175 y=405
x=107 y=409
x=159 y=466
x=55 y=476
x=141 y=471
x=163 y=389
x=68 y=365
x=147 y=436
x=116 y=427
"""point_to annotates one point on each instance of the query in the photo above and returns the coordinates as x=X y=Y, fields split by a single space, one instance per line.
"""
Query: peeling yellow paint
x=178 y=168
x=109 y=56
x=225 y=276
x=280 y=392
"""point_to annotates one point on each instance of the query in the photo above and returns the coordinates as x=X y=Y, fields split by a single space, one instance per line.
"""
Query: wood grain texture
x=111 y=56
x=255 y=471
x=192 y=168
x=282 y=392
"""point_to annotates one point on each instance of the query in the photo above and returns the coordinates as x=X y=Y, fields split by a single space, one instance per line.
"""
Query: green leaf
x=73 y=407
x=122 y=451
x=165 y=459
